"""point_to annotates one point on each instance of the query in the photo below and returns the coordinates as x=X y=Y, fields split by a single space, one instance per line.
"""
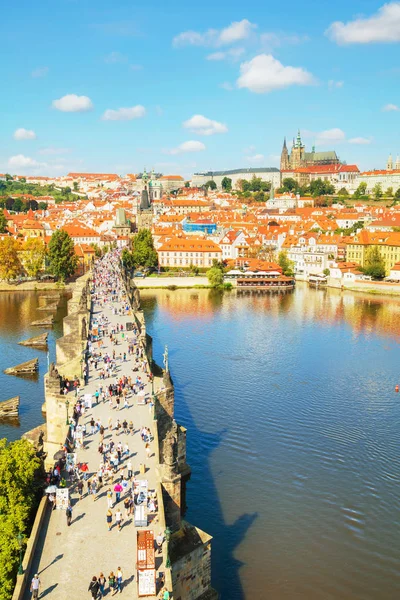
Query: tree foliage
x=361 y=190
x=62 y=258
x=20 y=472
x=285 y=264
x=211 y=185
x=3 y=222
x=35 y=252
x=143 y=253
x=377 y=191
x=10 y=265
x=226 y=184
x=321 y=188
x=289 y=184
x=215 y=276
x=374 y=264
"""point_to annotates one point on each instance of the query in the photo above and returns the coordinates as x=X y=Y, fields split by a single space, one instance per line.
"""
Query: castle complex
x=298 y=156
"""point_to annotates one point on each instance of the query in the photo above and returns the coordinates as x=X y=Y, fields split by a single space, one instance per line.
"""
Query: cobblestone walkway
x=66 y=558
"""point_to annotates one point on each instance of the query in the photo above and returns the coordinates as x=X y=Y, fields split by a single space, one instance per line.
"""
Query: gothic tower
x=144 y=216
x=389 y=164
x=285 y=165
x=397 y=166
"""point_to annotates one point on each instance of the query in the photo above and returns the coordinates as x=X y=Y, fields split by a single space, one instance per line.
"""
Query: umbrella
x=51 y=489
x=59 y=455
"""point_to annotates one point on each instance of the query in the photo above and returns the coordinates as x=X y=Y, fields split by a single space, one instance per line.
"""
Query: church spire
x=298 y=144
x=389 y=164
x=284 y=143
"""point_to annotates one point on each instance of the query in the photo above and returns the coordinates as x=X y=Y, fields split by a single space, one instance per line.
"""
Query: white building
x=271 y=174
x=307 y=261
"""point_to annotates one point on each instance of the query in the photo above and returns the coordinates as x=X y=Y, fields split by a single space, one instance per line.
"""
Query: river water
x=293 y=430
x=293 y=437
x=17 y=311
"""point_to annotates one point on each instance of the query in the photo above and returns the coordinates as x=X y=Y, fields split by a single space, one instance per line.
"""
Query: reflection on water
x=17 y=311
x=293 y=437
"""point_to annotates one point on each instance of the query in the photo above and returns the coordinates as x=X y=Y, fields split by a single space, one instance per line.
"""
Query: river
x=17 y=311
x=293 y=429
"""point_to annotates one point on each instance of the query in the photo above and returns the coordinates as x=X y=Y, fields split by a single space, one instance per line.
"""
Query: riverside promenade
x=67 y=558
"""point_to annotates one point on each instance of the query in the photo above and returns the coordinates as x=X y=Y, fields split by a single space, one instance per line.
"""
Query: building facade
x=270 y=174
x=181 y=252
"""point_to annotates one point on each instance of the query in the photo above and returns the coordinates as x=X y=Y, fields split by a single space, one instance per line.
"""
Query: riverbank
x=36 y=286
x=148 y=283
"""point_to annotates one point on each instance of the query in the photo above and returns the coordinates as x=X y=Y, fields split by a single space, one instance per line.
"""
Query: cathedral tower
x=285 y=165
x=389 y=164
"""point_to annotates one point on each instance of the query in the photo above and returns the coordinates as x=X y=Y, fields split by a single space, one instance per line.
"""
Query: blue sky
x=214 y=85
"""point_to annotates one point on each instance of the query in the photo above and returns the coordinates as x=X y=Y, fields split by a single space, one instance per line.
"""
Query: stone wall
x=69 y=349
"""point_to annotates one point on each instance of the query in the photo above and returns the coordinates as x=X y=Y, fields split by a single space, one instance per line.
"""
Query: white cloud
x=191 y=146
x=40 y=72
x=271 y=39
x=330 y=135
x=51 y=151
x=203 y=126
x=332 y=84
x=236 y=31
x=24 y=134
x=264 y=74
x=124 y=114
x=383 y=26
x=359 y=140
x=73 y=103
x=19 y=161
x=226 y=86
x=232 y=53
x=333 y=136
x=115 y=57
x=256 y=159
x=390 y=108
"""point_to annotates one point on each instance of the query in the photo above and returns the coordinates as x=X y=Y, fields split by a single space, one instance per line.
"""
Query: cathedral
x=298 y=156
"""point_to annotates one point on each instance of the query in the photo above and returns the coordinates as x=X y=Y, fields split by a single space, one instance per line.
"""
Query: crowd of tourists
x=106 y=365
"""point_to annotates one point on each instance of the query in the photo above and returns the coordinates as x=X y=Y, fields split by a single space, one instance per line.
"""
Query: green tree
x=255 y=184
x=211 y=185
x=187 y=184
x=226 y=184
x=9 y=177
x=374 y=264
x=397 y=194
x=35 y=252
x=259 y=197
x=10 y=265
x=326 y=272
x=215 y=277
x=42 y=206
x=321 y=188
x=285 y=264
x=144 y=253
x=244 y=185
x=17 y=205
x=289 y=184
x=127 y=259
x=343 y=192
x=62 y=258
x=389 y=192
x=3 y=222
x=377 y=191
x=361 y=190
x=76 y=186
x=20 y=482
